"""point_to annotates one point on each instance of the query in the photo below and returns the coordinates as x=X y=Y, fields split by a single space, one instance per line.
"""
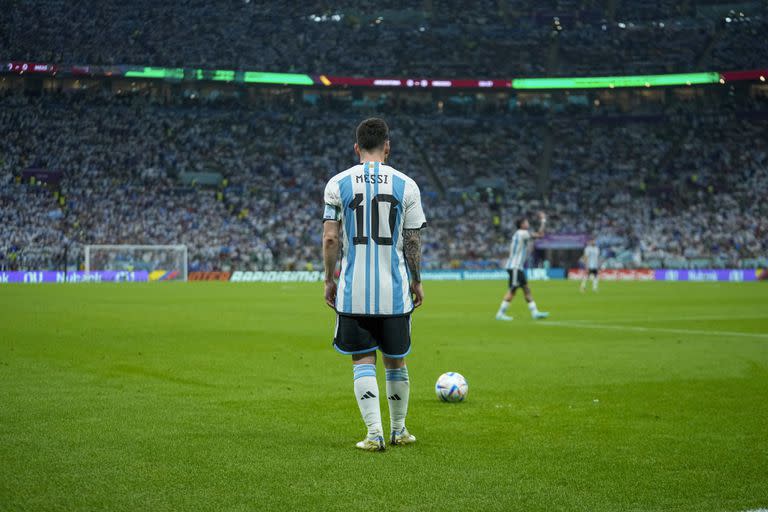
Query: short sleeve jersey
x=592 y=255
x=518 y=249
x=374 y=204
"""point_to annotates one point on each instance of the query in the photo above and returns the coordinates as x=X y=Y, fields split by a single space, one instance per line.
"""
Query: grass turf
x=220 y=396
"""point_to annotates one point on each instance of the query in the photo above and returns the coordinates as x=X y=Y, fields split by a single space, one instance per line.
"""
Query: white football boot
x=401 y=437
x=372 y=443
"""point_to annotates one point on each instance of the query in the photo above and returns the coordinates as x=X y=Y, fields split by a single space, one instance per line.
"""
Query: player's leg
x=595 y=278
x=535 y=313
x=395 y=343
x=367 y=395
x=398 y=394
x=584 y=282
x=352 y=338
x=501 y=314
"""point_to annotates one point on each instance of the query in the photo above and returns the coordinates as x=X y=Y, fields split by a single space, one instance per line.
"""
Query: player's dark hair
x=519 y=222
x=372 y=134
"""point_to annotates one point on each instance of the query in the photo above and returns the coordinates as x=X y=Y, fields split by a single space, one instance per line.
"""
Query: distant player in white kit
x=375 y=212
x=518 y=254
x=591 y=259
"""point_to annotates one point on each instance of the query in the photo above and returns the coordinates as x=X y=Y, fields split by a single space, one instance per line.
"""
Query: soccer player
x=591 y=259
x=518 y=253
x=374 y=212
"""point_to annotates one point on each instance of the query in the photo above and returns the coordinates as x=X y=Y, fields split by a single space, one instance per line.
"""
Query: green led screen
x=277 y=78
x=599 y=82
x=220 y=75
x=172 y=73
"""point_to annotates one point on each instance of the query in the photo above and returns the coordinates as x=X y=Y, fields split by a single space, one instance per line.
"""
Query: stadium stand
x=214 y=172
x=124 y=162
x=434 y=38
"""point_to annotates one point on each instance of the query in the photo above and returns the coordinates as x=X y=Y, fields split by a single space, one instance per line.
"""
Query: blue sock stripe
x=364 y=370
x=400 y=374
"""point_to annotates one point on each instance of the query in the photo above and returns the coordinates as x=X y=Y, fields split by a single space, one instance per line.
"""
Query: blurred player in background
x=376 y=212
x=591 y=259
x=518 y=254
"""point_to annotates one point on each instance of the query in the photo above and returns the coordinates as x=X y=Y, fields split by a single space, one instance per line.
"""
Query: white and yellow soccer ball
x=451 y=387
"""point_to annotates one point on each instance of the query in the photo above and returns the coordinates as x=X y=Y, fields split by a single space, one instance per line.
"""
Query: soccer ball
x=451 y=387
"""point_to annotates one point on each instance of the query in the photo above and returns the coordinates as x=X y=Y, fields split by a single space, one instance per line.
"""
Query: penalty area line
x=653 y=329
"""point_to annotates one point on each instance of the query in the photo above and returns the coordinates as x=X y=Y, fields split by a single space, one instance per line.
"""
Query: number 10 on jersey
x=358 y=205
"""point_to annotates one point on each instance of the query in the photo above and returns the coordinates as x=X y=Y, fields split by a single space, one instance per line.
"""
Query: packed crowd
x=688 y=187
x=442 y=38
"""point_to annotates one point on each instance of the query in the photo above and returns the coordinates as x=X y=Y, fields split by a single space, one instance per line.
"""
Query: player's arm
x=413 y=222
x=542 y=225
x=331 y=222
x=412 y=253
x=330 y=257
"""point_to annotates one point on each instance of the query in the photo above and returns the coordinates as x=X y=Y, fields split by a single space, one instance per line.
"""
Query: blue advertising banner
x=728 y=274
x=533 y=274
x=53 y=276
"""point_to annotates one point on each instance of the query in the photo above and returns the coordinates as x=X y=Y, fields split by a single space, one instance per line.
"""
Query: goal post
x=162 y=262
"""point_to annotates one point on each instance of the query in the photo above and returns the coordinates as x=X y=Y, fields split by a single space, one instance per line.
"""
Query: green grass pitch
x=229 y=397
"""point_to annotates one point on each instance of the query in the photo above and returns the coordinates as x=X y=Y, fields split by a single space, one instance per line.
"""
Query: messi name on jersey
x=372 y=178
x=374 y=204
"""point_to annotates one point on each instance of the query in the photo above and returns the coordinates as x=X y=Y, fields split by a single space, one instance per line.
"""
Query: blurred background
x=217 y=124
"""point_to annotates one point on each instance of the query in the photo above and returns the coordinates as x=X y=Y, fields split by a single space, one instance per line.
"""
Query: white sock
x=398 y=389
x=503 y=307
x=367 y=395
x=594 y=284
x=532 y=308
x=583 y=283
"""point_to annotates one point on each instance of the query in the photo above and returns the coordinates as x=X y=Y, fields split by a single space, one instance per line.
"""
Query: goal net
x=162 y=262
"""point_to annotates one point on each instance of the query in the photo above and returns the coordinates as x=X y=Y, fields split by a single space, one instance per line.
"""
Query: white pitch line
x=653 y=329
x=683 y=319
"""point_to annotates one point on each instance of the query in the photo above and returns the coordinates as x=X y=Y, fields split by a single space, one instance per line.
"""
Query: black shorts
x=360 y=334
x=592 y=272
x=517 y=278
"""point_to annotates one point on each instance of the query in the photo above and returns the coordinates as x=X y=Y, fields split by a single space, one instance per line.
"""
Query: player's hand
x=542 y=216
x=330 y=293
x=417 y=292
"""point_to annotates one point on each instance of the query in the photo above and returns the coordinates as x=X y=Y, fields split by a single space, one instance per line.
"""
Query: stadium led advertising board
x=258 y=77
x=607 y=82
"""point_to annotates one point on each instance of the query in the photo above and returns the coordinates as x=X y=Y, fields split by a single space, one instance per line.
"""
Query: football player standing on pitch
x=518 y=254
x=373 y=212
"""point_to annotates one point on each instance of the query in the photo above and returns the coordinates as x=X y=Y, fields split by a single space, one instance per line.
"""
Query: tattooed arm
x=412 y=253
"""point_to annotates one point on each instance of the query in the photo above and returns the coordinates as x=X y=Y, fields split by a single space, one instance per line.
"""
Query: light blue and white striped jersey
x=592 y=255
x=518 y=249
x=374 y=203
